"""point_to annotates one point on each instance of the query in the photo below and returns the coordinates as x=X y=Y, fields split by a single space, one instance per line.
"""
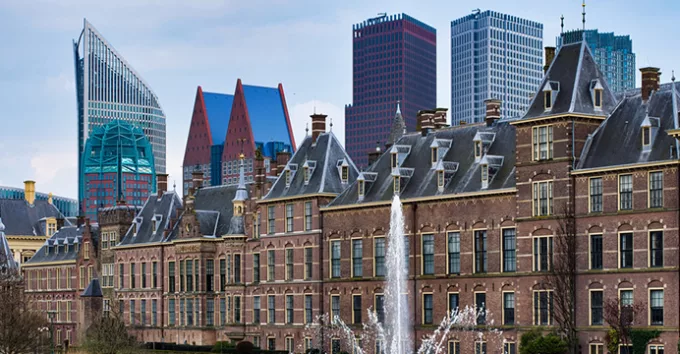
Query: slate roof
x=574 y=69
x=419 y=179
x=218 y=109
x=218 y=200
x=267 y=113
x=326 y=156
x=163 y=209
x=398 y=127
x=625 y=123
x=23 y=219
x=6 y=256
x=93 y=289
x=67 y=240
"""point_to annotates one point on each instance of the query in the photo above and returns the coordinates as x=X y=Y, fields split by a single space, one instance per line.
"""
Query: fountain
x=395 y=333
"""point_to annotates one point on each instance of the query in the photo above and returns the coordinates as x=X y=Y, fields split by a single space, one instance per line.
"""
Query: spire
x=398 y=127
x=562 y=24
x=241 y=193
x=398 y=107
x=584 y=18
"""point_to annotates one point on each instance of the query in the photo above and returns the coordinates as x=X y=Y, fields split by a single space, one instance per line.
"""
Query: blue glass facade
x=494 y=55
x=108 y=89
x=67 y=206
x=394 y=59
x=613 y=55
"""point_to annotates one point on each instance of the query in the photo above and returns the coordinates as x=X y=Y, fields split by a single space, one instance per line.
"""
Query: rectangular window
x=121 y=276
x=543 y=142
x=308 y=263
x=132 y=276
x=357 y=258
x=356 y=309
x=190 y=312
x=453 y=246
x=480 y=306
x=508 y=308
x=335 y=259
x=428 y=306
x=480 y=251
x=196 y=278
x=256 y=309
x=626 y=303
x=154 y=311
x=453 y=303
x=289 y=264
x=289 y=345
x=598 y=98
x=171 y=312
x=182 y=319
x=596 y=348
x=656 y=349
x=210 y=312
x=543 y=307
x=154 y=275
x=407 y=251
x=626 y=250
x=543 y=253
x=480 y=347
x=335 y=307
x=454 y=347
x=271 y=221
x=428 y=254
x=271 y=308
x=256 y=268
x=271 y=343
x=289 y=217
x=625 y=192
x=656 y=307
x=596 y=251
x=182 y=275
x=308 y=216
x=596 y=195
x=237 y=309
x=308 y=309
x=237 y=268
x=656 y=249
x=223 y=274
x=271 y=265
x=223 y=311
x=289 y=309
x=543 y=198
x=132 y=312
x=509 y=250
x=656 y=189
x=509 y=348
x=190 y=276
x=396 y=184
x=143 y=275
x=379 y=257
x=596 y=306
x=209 y=275
x=380 y=307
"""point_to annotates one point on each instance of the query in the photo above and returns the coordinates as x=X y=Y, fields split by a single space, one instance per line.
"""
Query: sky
x=177 y=45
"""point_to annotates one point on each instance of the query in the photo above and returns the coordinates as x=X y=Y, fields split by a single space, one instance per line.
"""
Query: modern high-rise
x=394 y=59
x=613 y=54
x=117 y=166
x=494 y=55
x=107 y=89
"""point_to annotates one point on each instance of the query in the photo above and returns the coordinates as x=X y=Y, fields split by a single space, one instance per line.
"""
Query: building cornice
x=27 y=237
x=562 y=115
x=296 y=197
x=42 y=264
x=631 y=166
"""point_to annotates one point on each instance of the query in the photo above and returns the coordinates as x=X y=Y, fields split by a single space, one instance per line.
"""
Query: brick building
x=481 y=204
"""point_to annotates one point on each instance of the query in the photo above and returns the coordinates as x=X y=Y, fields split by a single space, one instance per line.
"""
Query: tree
x=620 y=317
x=562 y=277
x=534 y=342
x=22 y=329
x=109 y=335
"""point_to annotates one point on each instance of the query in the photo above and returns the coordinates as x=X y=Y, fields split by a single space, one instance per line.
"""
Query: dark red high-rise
x=394 y=59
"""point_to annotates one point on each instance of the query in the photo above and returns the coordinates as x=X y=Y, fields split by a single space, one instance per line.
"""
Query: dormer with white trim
x=364 y=183
x=597 y=93
x=398 y=154
x=308 y=170
x=649 y=128
x=550 y=92
x=438 y=150
x=289 y=173
x=445 y=170
x=482 y=142
x=156 y=222
x=137 y=225
x=489 y=166
x=343 y=170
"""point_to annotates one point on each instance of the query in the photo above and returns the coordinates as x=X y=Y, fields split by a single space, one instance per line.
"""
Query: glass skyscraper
x=394 y=59
x=494 y=55
x=613 y=54
x=108 y=89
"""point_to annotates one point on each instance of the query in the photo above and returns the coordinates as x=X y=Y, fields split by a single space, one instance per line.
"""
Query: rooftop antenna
x=331 y=124
x=562 y=24
x=584 y=17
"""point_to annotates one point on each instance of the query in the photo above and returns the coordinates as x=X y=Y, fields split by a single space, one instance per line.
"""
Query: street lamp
x=51 y=315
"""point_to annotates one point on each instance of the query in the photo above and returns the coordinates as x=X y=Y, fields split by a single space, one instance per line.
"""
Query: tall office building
x=613 y=54
x=107 y=89
x=394 y=59
x=494 y=55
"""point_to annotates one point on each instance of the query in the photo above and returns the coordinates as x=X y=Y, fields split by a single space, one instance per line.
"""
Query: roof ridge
x=325 y=165
x=577 y=78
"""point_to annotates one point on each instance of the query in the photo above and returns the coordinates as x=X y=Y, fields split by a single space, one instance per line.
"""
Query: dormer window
x=646 y=136
x=550 y=91
x=485 y=176
x=362 y=188
x=478 y=150
x=548 y=99
x=47 y=250
x=56 y=249
x=395 y=163
x=344 y=175
x=440 y=180
x=305 y=172
x=153 y=225
x=287 y=178
x=397 y=184
x=434 y=155
x=598 y=98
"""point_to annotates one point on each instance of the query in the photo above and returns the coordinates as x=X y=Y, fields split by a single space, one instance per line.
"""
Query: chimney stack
x=549 y=57
x=425 y=120
x=162 y=183
x=29 y=191
x=650 y=81
x=493 y=111
x=318 y=126
x=282 y=158
x=439 y=118
x=258 y=168
x=80 y=221
x=196 y=181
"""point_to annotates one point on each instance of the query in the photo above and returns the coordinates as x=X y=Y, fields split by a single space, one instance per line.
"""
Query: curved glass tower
x=117 y=164
x=107 y=89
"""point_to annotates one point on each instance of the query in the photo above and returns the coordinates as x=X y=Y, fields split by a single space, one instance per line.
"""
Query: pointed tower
x=398 y=127
x=236 y=226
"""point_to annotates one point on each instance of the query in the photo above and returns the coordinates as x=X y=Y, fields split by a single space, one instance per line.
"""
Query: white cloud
x=55 y=171
x=299 y=117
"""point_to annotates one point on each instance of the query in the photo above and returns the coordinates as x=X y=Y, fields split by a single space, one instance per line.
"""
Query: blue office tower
x=494 y=55
x=613 y=54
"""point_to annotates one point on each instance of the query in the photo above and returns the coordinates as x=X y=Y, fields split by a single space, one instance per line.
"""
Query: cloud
x=299 y=116
x=55 y=171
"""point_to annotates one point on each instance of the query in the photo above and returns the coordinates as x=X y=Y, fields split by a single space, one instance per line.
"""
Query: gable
x=199 y=141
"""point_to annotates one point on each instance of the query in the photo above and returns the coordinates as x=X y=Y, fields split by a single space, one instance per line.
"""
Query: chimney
x=549 y=57
x=282 y=158
x=650 y=81
x=162 y=183
x=425 y=121
x=29 y=191
x=318 y=126
x=258 y=168
x=493 y=111
x=373 y=155
x=196 y=181
x=80 y=221
x=440 y=118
